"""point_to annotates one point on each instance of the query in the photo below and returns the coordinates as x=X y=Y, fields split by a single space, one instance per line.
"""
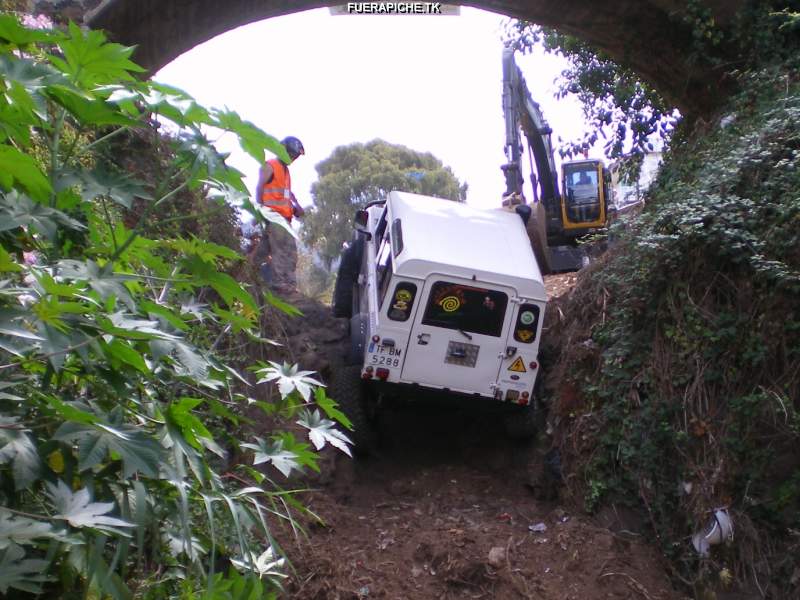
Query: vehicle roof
x=491 y=244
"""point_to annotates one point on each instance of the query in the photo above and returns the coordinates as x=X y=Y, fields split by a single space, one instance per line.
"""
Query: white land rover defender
x=442 y=297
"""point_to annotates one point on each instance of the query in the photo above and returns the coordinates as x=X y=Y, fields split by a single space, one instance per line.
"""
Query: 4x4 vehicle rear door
x=458 y=336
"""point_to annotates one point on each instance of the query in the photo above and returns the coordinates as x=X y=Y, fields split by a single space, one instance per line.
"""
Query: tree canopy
x=628 y=112
x=357 y=174
x=619 y=107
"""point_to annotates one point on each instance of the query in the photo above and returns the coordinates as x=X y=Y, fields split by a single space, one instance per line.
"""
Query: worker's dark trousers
x=276 y=256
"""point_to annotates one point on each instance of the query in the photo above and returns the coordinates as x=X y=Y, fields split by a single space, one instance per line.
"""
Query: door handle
x=423 y=339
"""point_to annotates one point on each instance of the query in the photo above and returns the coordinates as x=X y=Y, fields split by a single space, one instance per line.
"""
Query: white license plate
x=390 y=350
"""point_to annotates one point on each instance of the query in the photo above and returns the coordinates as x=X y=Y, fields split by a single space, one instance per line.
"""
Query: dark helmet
x=294 y=147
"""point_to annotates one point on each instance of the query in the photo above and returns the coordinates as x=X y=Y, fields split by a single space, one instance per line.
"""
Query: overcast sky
x=432 y=83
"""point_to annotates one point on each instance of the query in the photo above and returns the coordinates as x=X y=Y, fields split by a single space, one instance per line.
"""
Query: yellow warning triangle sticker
x=518 y=366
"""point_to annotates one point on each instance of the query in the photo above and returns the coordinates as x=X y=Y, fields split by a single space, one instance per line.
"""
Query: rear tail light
x=376 y=338
x=367 y=374
x=533 y=364
x=524 y=398
x=382 y=374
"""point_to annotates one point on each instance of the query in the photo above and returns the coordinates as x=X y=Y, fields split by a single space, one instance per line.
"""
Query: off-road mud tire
x=525 y=422
x=346 y=278
x=358 y=339
x=351 y=393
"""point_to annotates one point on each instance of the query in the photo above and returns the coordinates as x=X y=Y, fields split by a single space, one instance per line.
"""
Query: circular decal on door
x=450 y=304
x=527 y=318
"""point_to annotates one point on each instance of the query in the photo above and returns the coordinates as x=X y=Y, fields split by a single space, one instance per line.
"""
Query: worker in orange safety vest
x=276 y=255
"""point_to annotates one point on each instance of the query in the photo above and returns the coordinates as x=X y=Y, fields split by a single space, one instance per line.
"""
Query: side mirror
x=360 y=222
x=361 y=219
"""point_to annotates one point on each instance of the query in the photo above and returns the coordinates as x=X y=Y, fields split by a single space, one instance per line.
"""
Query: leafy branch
x=121 y=412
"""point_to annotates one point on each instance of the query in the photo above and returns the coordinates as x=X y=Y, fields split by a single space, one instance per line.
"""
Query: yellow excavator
x=560 y=216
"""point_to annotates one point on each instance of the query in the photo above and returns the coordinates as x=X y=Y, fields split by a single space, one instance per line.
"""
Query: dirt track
x=450 y=508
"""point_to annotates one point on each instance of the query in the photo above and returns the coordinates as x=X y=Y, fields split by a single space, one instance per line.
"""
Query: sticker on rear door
x=450 y=304
x=518 y=366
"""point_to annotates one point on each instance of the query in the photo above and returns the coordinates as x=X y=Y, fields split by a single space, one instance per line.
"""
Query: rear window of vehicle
x=466 y=308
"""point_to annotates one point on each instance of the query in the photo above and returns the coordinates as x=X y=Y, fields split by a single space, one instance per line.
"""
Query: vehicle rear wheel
x=358 y=339
x=352 y=395
x=524 y=422
x=346 y=279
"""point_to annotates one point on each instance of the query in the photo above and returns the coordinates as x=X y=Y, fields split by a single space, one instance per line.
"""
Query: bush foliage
x=112 y=478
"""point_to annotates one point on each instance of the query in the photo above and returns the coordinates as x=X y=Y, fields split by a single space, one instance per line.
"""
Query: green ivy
x=693 y=400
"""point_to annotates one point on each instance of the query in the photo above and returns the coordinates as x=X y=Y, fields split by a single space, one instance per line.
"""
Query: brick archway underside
x=649 y=36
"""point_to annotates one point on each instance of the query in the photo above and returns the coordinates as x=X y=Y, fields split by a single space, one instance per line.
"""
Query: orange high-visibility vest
x=277 y=194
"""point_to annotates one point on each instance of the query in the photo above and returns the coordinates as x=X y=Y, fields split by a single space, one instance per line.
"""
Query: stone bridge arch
x=650 y=36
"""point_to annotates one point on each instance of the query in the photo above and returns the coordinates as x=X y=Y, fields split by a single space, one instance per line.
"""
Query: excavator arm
x=558 y=217
x=522 y=113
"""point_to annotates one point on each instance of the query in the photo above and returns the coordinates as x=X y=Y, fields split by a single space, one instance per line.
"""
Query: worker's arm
x=264 y=177
x=298 y=210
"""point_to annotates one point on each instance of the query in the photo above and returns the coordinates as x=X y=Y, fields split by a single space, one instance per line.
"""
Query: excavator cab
x=583 y=203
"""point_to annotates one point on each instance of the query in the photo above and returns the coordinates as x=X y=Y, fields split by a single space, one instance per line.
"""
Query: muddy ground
x=448 y=507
